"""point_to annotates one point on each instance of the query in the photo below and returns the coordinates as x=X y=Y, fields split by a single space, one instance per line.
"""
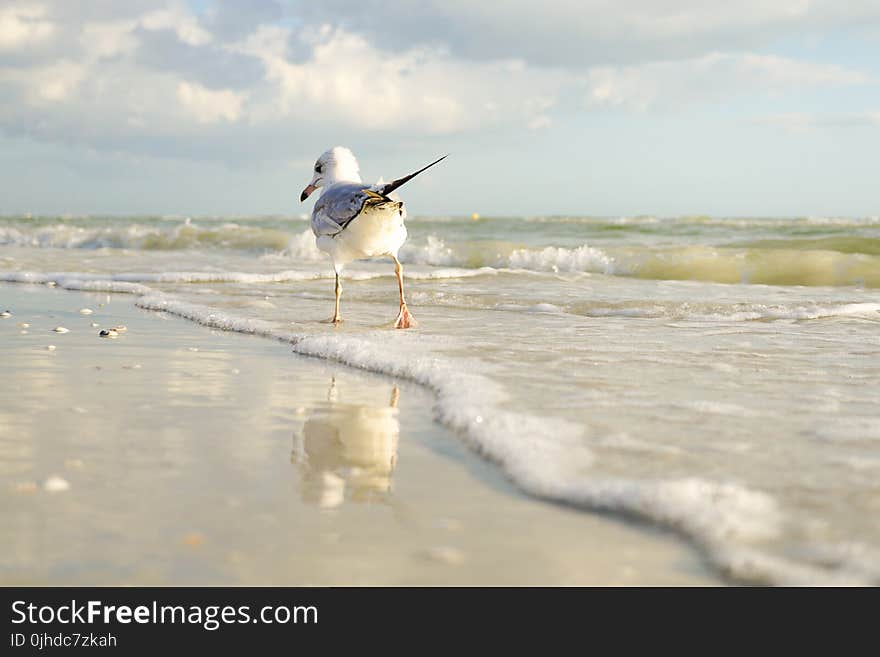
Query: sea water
x=714 y=376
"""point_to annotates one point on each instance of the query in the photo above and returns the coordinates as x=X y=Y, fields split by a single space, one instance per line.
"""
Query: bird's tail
x=387 y=188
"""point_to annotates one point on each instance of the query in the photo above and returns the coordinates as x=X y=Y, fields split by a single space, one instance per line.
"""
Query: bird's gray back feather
x=341 y=203
x=338 y=205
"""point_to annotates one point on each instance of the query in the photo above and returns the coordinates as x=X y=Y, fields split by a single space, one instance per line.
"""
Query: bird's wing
x=338 y=206
x=386 y=188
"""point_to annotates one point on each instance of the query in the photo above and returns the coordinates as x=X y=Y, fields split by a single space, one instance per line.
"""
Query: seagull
x=354 y=221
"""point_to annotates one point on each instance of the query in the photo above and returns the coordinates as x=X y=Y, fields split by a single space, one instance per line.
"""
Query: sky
x=584 y=107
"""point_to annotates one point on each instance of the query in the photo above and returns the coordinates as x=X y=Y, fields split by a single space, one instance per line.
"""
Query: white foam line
x=87 y=282
x=868 y=310
x=545 y=457
x=64 y=278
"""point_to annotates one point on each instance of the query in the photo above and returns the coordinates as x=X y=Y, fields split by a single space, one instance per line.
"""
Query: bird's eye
x=318 y=168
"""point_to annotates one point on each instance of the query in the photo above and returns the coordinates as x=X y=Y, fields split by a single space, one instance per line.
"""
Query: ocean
x=716 y=377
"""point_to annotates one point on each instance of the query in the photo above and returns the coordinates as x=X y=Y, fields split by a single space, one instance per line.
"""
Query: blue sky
x=633 y=107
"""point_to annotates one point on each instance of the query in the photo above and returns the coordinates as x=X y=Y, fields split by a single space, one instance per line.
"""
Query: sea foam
x=729 y=265
x=785 y=260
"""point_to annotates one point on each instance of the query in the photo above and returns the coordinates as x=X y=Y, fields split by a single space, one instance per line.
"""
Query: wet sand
x=175 y=454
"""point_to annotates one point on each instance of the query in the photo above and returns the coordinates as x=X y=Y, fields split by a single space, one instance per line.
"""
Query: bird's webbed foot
x=405 y=319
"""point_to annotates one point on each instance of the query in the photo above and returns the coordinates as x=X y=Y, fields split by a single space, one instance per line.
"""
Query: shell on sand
x=61 y=329
x=56 y=484
x=85 y=311
x=444 y=554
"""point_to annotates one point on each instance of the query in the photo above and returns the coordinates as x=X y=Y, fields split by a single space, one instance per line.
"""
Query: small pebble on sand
x=85 y=311
x=235 y=370
x=449 y=524
x=108 y=333
x=136 y=366
x=50 y=347
x=95 y=325
x=445 y=554
x=24 y=325
x=50 y=283
x=56 y=484
x=193 y=348
x=61 y=329
x=120 y=328
x=79 y=409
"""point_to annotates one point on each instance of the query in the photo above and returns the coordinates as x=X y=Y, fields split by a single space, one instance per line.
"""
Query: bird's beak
x=306 y=193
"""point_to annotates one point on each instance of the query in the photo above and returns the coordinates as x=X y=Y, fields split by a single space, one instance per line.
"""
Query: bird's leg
x=404 y=319
x=336 y=317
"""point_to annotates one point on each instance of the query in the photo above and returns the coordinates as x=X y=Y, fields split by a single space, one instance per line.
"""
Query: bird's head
x=336 y=165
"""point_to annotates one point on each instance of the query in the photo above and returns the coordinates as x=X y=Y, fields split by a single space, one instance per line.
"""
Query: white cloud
x=539 y=122
x=181 y=22
x=109 y=39
x=23 y=25
x=154 y=75
x=788 y=121
x=56 y=83
x=773 y=71
x=49 y=85
x=582 y=33
x=800 y=122
x=426 y=90
x=210 y=106
x=715 y=76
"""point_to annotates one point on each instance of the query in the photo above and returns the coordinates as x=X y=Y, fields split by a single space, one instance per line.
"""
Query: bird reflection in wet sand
x=347 y=451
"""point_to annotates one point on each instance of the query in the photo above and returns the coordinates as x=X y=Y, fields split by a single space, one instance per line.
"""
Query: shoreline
x=544 y=457
x=439 y=515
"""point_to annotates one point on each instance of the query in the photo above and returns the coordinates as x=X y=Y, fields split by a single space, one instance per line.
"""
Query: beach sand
x=175 y=454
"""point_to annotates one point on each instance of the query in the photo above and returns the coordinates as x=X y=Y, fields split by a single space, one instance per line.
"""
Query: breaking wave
x=152 y=236
x=767 y=266
x=842 y=260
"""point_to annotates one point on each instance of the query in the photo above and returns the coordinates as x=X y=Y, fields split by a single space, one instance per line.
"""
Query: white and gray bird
x=354 y=221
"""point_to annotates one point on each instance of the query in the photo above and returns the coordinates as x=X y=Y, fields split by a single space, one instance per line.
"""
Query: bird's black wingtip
x=394 y=184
